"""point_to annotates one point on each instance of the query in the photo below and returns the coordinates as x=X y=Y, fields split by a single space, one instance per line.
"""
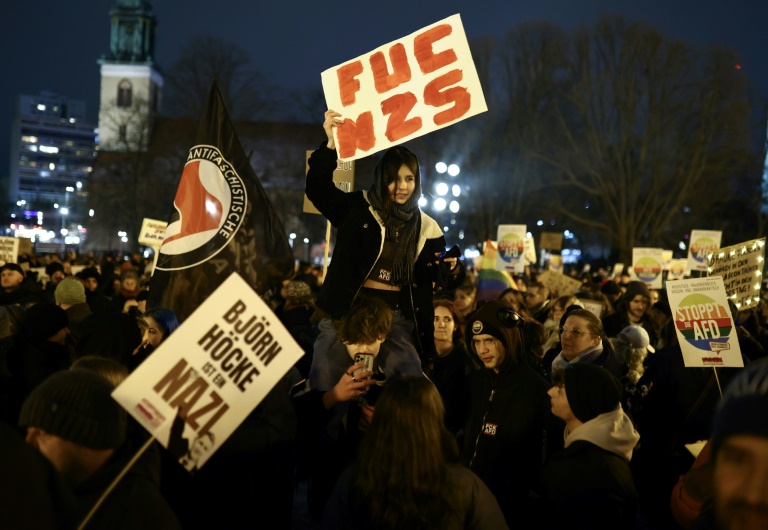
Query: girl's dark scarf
x=401 y=223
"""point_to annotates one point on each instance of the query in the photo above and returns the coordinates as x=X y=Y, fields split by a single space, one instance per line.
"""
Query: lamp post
x=447 y=195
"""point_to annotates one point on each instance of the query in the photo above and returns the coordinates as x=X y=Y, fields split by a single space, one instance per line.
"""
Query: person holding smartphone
x=386 y=248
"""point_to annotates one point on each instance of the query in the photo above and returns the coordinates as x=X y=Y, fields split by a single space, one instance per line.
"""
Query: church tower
x=131 y=84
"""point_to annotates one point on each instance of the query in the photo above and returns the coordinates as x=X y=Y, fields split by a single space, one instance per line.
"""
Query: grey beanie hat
x=76 y=405
x=69 y=291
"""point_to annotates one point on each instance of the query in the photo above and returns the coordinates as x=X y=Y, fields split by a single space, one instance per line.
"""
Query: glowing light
x=48 y=149
x=79 y=185
x=70 y=189
x=211 y=207
x=40 y=106
x=453 y=170
x=306 y=240
x=441 y=188
x=422 y=201
x=439 y=204
x=292 y=235
x=441 y=167
x=456 y=189
x=90 y=213
x=51 y=166
x=454 y=206
x=64 y=211
x=539 y=223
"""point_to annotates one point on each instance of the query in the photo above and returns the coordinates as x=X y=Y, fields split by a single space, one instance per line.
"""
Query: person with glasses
x=508 y=410
x=582 y=340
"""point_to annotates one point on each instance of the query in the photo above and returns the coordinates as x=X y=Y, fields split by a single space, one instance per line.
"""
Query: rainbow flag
x=491 y=282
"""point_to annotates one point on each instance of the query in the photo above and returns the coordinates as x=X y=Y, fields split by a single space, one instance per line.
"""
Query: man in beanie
x=589 y=484
x=70 y=296
x=508 y=410
x=16 y=288
x=73 y=421
x=634 y=307
x=55 y=272
x=740 y=454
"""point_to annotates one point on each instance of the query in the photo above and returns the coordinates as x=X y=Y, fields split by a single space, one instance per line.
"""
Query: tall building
x=131 y=85
x=53 y=151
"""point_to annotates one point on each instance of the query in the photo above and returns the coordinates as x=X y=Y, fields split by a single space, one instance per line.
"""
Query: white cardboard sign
x=703 y=243
x=152 y=232
x=9 y=250
x=647 y=266
x=741 y=267
x=703 y=322
x=510 y=245
x=212 y=372
x=405 y=89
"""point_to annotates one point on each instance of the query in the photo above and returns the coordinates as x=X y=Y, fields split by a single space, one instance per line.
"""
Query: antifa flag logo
x=209 y=207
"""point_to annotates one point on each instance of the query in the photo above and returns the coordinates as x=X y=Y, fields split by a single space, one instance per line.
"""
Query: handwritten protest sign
x=152 y=232
x=646 y=266
x=405 y=89
x=703 y=322
x=594 y=307
x=511 y=248
x=9 y=250
x=559 y=284
x=206 y=377
x=741 y=268
x=703 y=243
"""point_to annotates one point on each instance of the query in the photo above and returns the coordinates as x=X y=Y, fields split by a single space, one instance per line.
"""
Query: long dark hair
x=401 y=475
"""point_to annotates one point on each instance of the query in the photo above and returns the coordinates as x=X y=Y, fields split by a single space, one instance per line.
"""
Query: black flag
x=222 y=222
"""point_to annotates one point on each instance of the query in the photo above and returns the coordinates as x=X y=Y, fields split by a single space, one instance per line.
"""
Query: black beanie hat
x=76 y=405
x=591 y=390
x=44 y=320
x=488 y=321
x=635 y=288
x=742 y=410
x=53 y=267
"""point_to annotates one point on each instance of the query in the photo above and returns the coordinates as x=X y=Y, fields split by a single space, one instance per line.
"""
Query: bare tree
x=246 y=92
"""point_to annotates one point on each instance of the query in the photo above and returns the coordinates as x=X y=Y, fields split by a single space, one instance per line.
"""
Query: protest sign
x=152 y=232
x=703 y=243
x=677 y=268
x=551 y=240
x=618 y=268
x=405 y=89
x=529 y=251
x=25 y=245
x=741 y=268
x=559 y=284
x=556 y=263
x=9 y=250
x=703 y=322
x=343 y=177
x=593 y=307
x=511 y=248
x=646 y=266
x=491 y=282
x=666 y=259
x=206 y=377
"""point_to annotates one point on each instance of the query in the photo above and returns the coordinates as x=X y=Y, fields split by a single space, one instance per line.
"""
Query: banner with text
x=405 y=89
x=202 y=382
x=646 y=266
x=703 y=322
x=9 y=250
x=703 y=243
x=343 y=177
x=741 y=267
x=510 y=244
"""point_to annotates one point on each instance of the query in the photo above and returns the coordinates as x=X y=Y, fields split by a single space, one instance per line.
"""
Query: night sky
x=54 y=45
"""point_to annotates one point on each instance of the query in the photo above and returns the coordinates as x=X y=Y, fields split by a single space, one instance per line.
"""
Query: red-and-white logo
x=210 y=203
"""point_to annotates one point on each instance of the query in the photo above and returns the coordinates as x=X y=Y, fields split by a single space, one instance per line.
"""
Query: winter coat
x=359 y=244
x=505 y=432
x=589 y=484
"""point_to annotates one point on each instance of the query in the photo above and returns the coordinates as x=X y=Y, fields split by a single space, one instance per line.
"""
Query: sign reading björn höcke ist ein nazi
x=205 y=378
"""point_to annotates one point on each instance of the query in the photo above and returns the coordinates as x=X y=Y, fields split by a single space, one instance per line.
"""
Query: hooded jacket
x=508 y=419
x=589 y=484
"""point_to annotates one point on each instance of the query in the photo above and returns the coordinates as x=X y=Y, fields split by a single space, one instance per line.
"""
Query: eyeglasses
x=573 y=331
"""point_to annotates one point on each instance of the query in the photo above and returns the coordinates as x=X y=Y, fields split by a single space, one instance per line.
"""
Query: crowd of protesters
x=421 y=400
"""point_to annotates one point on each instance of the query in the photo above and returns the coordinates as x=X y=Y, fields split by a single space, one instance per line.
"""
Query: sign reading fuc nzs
x=704 y=322
x=205 y=378
x=404 y=89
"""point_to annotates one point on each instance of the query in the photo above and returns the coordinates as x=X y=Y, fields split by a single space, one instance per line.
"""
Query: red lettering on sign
x=349 y=85
x=425 y=55
x=355 y=135
x=398 y=107
x=401 y=71
x=437 y=95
